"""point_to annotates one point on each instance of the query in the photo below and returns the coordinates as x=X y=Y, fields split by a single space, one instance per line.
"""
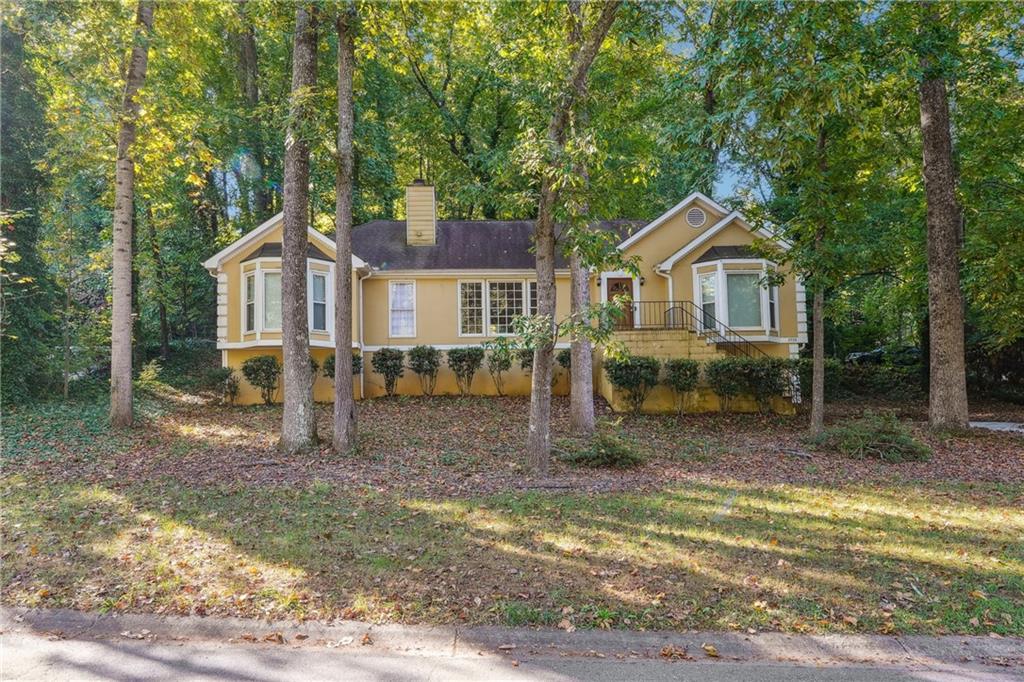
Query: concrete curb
x=769 y=647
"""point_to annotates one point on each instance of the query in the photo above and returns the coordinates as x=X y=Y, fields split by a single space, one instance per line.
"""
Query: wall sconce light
x=643 y=281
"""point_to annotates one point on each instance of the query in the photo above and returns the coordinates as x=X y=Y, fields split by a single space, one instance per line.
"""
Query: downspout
x=362 y=383
x=668 y=276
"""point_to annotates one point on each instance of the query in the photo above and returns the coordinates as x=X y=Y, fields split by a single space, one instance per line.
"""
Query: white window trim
x=699 y=295
x=485 y=287
x=246 y=274
x=262 y=294
x=328 y=275
x=722 y=290
x=523 y=286
x=483 y=311
x=391 y=283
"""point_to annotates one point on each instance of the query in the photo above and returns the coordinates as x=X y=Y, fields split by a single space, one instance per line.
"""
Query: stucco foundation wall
x=323 y=388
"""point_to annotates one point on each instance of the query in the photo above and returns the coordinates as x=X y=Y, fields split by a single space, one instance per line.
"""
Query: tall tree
x=298 y=420
x=538 y=444
x=121 y=323
x=947 y=383
x=344 y=404
x=581 y=389
x=248 y=66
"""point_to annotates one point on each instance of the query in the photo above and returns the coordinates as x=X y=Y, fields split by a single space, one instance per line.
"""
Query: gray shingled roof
x=273 y=250
x=461 y=244
x=723 y=252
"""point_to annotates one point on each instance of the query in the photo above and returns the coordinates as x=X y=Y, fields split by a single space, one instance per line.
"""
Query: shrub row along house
x=701 y=292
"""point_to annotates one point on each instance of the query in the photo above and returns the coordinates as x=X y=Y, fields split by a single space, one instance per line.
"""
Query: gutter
x=668 y=276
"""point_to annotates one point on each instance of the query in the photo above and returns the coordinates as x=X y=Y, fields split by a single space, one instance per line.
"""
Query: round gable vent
x=696 y=217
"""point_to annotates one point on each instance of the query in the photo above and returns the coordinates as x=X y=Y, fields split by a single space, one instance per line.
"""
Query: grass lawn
x=432 y=522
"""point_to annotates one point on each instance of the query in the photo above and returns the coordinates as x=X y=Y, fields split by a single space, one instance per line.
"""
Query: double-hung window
x=533 y=298
x=773 y=307
x=471 y=308
x=402 y=309
x=318 y=301
x=708 y=288
x=505 y=302
x=250 y=302
x=272 y=301
x=743 y=290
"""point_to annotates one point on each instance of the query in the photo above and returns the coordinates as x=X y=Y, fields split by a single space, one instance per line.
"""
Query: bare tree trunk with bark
x=538 y=443
x=124 y=195
x=817 y=426
x=344 y=404
x=947 y=382
x=298 y=419
x=581 y=376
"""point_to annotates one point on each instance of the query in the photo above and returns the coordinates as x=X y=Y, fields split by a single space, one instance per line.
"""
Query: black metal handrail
x=688 y=316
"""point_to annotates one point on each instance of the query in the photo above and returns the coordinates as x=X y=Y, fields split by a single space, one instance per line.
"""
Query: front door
x=623 y=286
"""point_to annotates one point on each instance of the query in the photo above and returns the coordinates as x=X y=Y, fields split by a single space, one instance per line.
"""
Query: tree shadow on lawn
x=718 y=556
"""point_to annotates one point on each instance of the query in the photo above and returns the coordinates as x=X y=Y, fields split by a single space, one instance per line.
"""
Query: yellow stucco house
x=699 y=292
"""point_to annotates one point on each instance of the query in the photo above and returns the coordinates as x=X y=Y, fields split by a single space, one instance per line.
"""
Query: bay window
x=250 y=302
x=402 y=309
x=743 y=292
x=318 y=301
x=272 y=301
x=708 y=287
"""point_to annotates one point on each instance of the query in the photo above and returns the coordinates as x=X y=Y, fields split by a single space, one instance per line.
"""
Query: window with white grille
x=505 y=301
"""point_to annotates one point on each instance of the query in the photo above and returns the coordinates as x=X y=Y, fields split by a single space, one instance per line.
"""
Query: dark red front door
x=623 y=286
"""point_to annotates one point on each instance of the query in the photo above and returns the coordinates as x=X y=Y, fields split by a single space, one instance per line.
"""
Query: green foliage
x=389 y=363
x=845 y=381
x=525 y=358
x=357 y=365
x=875 y=435
x=150 y=373
x=682 y=375
x=500 y=353
x=604 y=449
x=425 y=361
x=213 y=379
x=724 y=378
x=564 y=359
x=465 y=362
x=264 y=373
x=636 y=375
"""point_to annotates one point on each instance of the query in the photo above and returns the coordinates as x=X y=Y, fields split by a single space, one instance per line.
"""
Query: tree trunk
x=817 y=426
x=298 y=420
x=538 y=444
x=581 y=377
x=124 y=194
x=947 y=384
x=344 y=404
x=248 y=61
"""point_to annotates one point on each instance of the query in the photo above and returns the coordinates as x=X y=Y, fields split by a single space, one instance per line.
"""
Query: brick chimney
x=420 y=214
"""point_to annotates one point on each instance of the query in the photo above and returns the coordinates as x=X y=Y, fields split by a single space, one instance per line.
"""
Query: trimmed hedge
x=635 y=375
x=389 y=363
x=263 y=372
x=682 y=376
x=425 y=361
x=465 y=362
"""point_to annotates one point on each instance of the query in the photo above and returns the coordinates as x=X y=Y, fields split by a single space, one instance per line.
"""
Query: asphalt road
x=30 y=656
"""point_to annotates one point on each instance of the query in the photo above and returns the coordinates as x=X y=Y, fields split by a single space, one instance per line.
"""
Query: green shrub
x=682 y=375
x=636 y=375
x=263 y=372
x=765 y=378
x=725 y=379
x=564 y=359
x=603 y=450
x=357 y=365
x=525 y=358
x=425 y=361
x=500 y=352
x=875 y=435
x=845 y=381
x=150 y=373
x=464 y=362
x=214 y=378
x=389 y=363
